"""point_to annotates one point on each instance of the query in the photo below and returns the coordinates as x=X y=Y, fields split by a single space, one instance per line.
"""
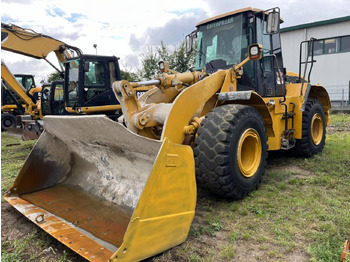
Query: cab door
x=57 y=106
x=99 y=75
x=271 y=65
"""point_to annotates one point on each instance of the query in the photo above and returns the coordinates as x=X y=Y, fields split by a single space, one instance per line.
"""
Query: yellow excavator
x=88 y=78
x=24 y=104
x=21 y=103
x=127 y=191
x=11 y=103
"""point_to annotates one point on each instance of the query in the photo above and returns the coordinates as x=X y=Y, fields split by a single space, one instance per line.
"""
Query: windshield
x=224 y=41
x=25 y=81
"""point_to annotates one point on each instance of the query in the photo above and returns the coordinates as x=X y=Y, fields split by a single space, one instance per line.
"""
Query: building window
x=345 y=44
x=332 y=45
x=318 y=47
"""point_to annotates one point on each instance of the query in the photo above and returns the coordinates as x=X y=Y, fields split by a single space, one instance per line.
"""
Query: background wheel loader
x=125 y=192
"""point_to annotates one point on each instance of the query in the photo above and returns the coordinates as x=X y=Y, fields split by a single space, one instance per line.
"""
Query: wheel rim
x=8 y=122
x=316 y=129
x=249 y=152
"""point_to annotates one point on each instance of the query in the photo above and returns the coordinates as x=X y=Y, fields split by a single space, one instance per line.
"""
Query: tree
x=54 y=76
x=177 y=57
x=129 y=76
x=149 y=62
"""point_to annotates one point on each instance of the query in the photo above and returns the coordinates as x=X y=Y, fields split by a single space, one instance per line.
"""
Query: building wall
x=331 y=70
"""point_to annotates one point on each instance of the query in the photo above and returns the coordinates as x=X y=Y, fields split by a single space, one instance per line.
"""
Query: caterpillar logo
x=140 y=93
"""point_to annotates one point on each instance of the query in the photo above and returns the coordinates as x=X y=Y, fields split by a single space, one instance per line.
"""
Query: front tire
x=231 y=151
x=313 y=130
x=7 y=120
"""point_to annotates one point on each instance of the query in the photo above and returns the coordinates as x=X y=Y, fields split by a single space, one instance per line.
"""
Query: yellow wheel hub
x=316 y=129
x=249 y=152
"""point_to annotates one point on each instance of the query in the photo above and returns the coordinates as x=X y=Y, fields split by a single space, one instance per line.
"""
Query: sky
x=127 y=29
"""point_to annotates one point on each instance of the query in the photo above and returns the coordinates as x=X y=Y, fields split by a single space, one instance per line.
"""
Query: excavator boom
x=27 y=42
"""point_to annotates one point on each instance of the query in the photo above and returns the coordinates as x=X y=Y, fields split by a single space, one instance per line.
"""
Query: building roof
x=314 y=24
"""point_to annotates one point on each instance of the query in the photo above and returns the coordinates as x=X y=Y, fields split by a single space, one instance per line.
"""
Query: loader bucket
x=105 y=192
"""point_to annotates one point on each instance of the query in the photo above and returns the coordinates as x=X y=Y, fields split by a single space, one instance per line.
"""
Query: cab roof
x=243 y=10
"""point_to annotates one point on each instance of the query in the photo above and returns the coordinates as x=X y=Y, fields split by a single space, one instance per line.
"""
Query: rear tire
x=313 y=130
x=7 y=120
x=231 y=151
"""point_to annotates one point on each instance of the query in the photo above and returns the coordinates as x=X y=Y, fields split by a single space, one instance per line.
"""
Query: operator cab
x=223 y=42
x=89 y=79
x=52 y=99
x=10 y=97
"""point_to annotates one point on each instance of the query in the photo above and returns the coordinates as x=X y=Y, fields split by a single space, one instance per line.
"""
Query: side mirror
x=189 y=41
x=273 y=22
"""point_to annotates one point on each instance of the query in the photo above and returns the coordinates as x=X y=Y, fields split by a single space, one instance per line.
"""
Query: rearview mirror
x=189 y=41
x=273 y=22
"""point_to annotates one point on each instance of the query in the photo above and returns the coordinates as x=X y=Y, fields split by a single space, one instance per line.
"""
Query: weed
x=194 y=258
x=227 y=252
x=234 y=236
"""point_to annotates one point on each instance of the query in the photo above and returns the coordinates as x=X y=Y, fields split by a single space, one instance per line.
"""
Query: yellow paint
x=182 y=110
x=249 y=152
x=31 y=108
x=316 y=129
x=93 y=109
x=32 y=44
x=166 y=207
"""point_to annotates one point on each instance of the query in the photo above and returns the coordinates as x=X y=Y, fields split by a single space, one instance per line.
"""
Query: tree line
x=179 y=60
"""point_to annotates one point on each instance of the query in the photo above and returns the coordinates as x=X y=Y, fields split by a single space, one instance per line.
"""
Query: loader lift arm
x=147 y=171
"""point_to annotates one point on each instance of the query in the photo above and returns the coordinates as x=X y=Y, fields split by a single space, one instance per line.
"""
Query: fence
x=339 y=95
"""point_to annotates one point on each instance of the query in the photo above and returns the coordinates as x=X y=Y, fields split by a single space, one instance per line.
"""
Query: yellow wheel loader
x=127 y=191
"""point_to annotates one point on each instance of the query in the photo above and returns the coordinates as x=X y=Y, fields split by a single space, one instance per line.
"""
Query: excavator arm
x=29 y=43
x=32 y=105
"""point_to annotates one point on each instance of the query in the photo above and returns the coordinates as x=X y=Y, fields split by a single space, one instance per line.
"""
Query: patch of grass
x=234 y=236
x=13 y=153
x=15 y=251
x=227 y=252
x=300 y=212
x=194 y=258
x=340 y=120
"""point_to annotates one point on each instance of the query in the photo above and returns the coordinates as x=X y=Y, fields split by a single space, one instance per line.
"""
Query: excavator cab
x=52 y=99
x=27 y=81
x=88 y=83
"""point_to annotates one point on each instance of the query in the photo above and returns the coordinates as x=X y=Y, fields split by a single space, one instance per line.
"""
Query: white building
x=331 y=52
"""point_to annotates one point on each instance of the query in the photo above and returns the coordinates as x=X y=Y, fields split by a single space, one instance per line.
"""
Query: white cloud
x=126 y=28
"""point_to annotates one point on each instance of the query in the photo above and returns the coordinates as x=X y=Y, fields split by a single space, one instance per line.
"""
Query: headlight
x=255 y=51
x=161 y=66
